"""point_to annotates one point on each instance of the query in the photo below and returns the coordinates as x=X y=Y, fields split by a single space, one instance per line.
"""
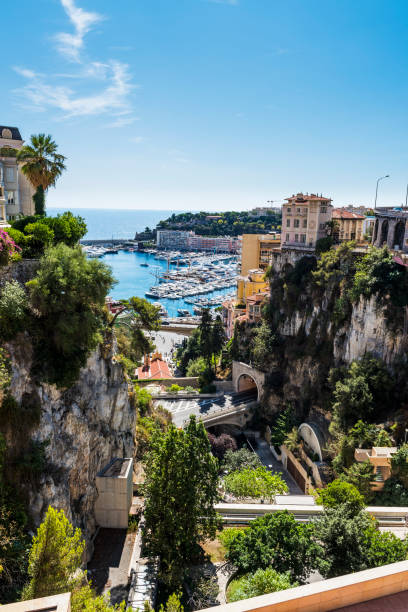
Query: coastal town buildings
x=305 y=219
x=254 y=305
x=184 y=240
x=173 y=239
x=262 y=211
x=254 y=282
x=349 y=225
x=380 y=459
x=15 y=190
x=256 y=251
x=153 y=367
x=391 y=228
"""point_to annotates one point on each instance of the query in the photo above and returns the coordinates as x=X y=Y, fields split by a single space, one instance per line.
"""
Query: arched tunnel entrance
x=247 y=387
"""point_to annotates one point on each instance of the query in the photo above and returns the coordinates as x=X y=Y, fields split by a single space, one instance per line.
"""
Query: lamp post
x=376 y=189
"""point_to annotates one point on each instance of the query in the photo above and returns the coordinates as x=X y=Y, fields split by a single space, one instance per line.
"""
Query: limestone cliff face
x=312 y=344
x=85 y=427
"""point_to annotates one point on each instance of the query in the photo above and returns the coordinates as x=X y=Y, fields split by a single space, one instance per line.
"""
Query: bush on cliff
x=33 y=234
x=13 y=309
x=67 y=297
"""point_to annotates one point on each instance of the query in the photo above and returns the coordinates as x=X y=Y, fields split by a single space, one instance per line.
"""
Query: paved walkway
x=109 y=566
x=267 y=458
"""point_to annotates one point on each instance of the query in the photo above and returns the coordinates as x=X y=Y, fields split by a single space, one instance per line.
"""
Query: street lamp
x=376 y=189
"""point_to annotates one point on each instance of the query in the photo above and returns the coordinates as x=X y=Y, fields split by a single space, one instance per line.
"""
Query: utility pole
x=376 y=189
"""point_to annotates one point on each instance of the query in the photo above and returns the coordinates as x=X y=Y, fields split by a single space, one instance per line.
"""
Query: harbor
x=182 y=284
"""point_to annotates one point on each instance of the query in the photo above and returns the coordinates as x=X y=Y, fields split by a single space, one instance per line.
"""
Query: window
x=10 y=175
x=298 y=210
x=322 y=226
x=287 y=237
x=303 y=238
x=296 y=223
x=296 y=237
x=10 y=198
x=289 y=210
x=304 y=222
x=323 y=209
x=287 y=222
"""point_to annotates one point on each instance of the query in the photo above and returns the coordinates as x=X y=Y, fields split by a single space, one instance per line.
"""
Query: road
x=182 y=408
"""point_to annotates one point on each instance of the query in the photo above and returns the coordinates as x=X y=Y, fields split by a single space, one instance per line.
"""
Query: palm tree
x=42 y=166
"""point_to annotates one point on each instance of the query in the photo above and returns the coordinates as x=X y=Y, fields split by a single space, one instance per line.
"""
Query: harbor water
x=135 y=279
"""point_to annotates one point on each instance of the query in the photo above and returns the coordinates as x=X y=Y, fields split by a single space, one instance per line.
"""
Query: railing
x=224 y=411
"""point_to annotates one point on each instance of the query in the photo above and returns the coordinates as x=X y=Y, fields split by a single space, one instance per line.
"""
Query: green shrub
x=240 y=459
x=263 y=581
x=13 y=309
x=174 y=388
x=196 y=367
x=258 y=482
x=68 y=295
x=340 y=493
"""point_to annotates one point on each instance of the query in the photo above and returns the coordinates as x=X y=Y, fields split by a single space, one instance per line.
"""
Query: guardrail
x=225 y=411
x=242 y=514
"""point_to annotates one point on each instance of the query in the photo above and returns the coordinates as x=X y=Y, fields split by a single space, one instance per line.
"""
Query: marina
x=181 y=283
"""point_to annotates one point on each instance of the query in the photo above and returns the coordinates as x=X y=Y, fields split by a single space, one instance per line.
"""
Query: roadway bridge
x=232 y=409
x=243 y=514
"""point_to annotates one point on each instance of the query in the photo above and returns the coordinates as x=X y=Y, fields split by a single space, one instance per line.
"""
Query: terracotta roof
x=156 y=369
x=341 y=213
x=257 y=297
x=301 y=197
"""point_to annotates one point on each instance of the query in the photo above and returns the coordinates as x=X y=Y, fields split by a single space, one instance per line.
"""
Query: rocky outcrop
x=312 y=343
x=85 y=426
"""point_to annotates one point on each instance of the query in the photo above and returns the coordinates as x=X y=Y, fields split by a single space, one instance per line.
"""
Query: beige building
x=256 y=251
x=15 y=191
x=380 y=459
x=349 y=225
x=304 y=220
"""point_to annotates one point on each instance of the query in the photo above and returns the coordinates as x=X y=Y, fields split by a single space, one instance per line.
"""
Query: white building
x=15 y=191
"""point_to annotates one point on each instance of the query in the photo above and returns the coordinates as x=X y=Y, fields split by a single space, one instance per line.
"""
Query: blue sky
x=212 y=104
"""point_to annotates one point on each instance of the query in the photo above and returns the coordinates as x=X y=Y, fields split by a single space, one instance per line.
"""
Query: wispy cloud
x=71 y=45
x=108 y=83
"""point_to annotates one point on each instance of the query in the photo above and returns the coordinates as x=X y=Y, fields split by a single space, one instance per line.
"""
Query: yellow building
x=349 y=225
x=253 y=283
x=380 y=459
x=256 y=251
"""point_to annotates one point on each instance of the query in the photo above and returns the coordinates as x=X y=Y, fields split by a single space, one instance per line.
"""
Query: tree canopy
x=278 y=541
x=180 y=491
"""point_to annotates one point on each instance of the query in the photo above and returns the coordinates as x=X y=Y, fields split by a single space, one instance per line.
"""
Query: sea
x=132 y=279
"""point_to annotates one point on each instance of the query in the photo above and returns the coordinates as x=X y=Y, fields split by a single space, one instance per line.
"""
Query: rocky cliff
x=84 y=427
x=309 y=340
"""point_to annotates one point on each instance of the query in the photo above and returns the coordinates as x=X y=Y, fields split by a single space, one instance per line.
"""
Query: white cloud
x=70 y=45
x=108 y=83
x=137 y=139
x=111 y=98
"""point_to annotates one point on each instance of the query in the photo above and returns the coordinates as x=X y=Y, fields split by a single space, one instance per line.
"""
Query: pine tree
x=206 y=336
x=181 y=490
x=55 y=557
x=218 y=336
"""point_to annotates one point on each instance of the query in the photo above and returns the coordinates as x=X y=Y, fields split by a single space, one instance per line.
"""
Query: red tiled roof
x=158 y=369
x=257 y=297
x=340 y=213
x=312 y=196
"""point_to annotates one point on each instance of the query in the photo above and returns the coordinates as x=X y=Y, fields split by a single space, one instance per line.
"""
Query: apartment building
x=183 y=240
x=256 y=251
x=173 y=239
x=304 y=220
x=349 y=225
x=217 y=244
x=15 y=191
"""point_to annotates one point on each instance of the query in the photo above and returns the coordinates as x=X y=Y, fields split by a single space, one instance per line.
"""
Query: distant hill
x=226 y=223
